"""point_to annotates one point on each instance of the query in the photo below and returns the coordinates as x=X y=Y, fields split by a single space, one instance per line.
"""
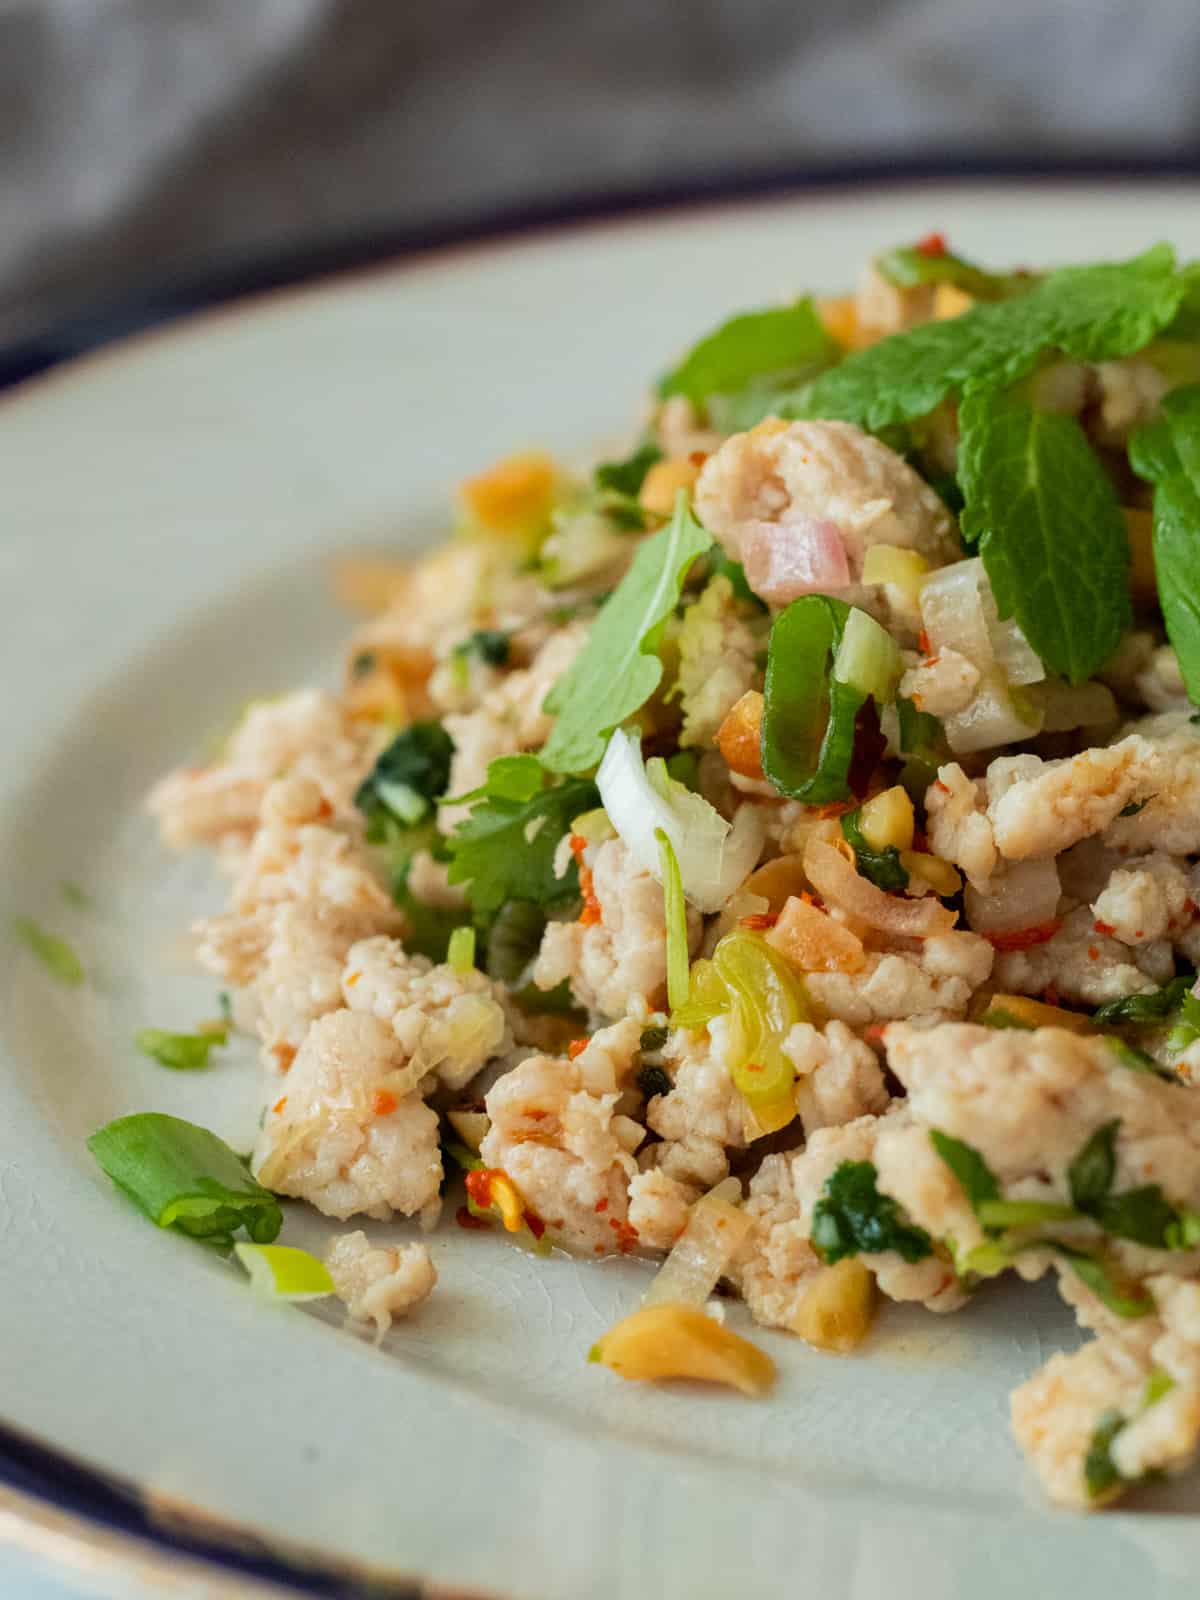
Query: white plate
x=167 y=509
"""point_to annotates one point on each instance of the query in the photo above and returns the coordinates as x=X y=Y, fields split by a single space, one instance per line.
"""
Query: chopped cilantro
x=182 y=1052
x=1135 y=1060
x=653 y=1039
x=1186 y=1027
x=1156 y=1006
x=626 y=477
x=505 y=848
x=1099 y=1470
x=852 y=1217
x=1143 y=1214
x=1121 y=1298
x=55 y=954
x=1134 y=806
x=880 y=867
x=1090 y=1175
x=1049 y=527
x=619 y=669
x=979 y=1182
x=489 y=645
x=653 y=1081
x=409 y=777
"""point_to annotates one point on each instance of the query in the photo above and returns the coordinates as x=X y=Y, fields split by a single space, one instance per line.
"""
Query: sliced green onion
x=675 y=911
x=868 y=658
x=768 y=1001
x=460 y=952
x=808 y=713
x=282 y=1272
x=1023 y=1213
x=54 y=953
x=1124 y=1300
x=182 y=1052
x=707 y=997
x=182 y=1176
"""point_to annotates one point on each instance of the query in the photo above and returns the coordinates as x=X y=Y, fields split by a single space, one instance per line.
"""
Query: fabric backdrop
x=142 y=140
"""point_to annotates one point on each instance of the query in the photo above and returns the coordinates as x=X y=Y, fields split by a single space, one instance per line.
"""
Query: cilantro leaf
x=1144 y=1214
x=751 y=346
x=409 y=777
x=1050 y=530
x=880 y=867
x=1099 y=1469
x=505 y=847
x=1167 y=454
x=626 y=477
x=1093 y=313
x=618 y=669
x=1186 y=1029
x=852 y=1217
x=489 y=645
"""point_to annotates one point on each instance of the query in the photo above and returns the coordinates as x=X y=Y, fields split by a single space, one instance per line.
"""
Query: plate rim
x=94 y=1508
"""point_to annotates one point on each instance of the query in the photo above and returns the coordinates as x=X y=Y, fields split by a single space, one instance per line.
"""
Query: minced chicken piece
x=450 y=1019
x=347 y=1134
x=556 y=1133
x=772 y=494
x=934 y=983
x=379 y=1283
x=1083 y=964
x=618 y=963
x=774 y=1266
x=658 y=1207
x=306 y=734
x=718 y=650
x=959 y=830
x=941 y=684
x=704 y=1115
x=1147 y=900
x=838 y=1077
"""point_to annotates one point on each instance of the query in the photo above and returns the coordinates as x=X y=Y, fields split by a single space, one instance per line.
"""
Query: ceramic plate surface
x=169 y=508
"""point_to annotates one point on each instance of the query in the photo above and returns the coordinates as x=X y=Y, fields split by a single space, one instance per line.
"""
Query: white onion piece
x=1024 y=895
x=715 y=1231
x=839 y=883
x=953 y=612
x=1015 y=656
x=991 y=719
x=714 y=857
x=784 y=560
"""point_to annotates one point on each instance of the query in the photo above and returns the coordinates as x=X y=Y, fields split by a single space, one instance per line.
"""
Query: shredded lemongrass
x=675 y=912
x=460 y=953
x=716 y=1228
x=282 y=1272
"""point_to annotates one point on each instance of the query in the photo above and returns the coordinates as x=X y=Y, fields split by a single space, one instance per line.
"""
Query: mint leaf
x=753 y=345
x=1050 y=530
x=618 y=669
x=909 y=265
x=1167 y=454
x=1093 y=313
x=1090 y=1175
x=852 y=1217
x=505 y=847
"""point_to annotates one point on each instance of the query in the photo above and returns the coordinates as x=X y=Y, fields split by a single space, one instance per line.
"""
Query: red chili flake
x=930 y=661
x=324 y=810
x=698 y=457
x=479 y=1186
x=591 y=914
x=537 y=1115
x=832 y=809
x=873 y=1032
x=627 y=1235
x=285 y=1054
x=933 y=244
x=576 y=1048
x=578 y=845
x=938 y=784
x=384 y=1103
x=1093 y=953
x=760 y=919
x=1190 y=907
x=467 y=1219
x=279 y=1104
x=602 y=1205
x=923 y=642
x=753 y=1066
x=1106 y=928
x=535 y=1224
x=1025 y=938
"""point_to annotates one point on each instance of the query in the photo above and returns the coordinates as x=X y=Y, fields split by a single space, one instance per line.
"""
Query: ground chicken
x=1147 y=900
x=941 y=684
x=774 y=1267
x=380 y=1283
x=306 y=734
x=556 y=1133
x=718 y=650
x=930 y=1280
x=451 y=1020
x=510 y=718
x=768 y=494
x=932 y=983
x=348 y=1135
x=658 y=1207
x=959 y=830
x=838 y=1077
x=704 y=1116
x=1083 y=965
x=618 y=964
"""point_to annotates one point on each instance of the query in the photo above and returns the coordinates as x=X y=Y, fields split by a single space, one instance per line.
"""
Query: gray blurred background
x=145 y=141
